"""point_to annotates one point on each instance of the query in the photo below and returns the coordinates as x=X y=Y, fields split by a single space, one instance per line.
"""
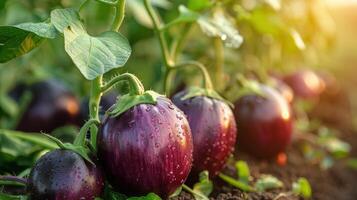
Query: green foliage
x=94 y=56
x=204 y=187
x=12 y=197
x=243 y=171
x=267 y=182
x=199 y=4
x=302 y=188
x=128 y=101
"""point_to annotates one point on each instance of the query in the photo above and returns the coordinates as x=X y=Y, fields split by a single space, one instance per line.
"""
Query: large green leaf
x=20 y=39
x=93 y=56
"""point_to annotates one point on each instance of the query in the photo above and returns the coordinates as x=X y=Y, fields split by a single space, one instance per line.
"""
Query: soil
x=336 y=183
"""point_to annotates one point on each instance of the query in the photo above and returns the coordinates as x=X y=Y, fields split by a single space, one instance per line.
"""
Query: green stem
x=188 y=189
x=169 y=75
x=95 y=95
x=13 y=180
x=218 y=70
x=236 y=183
x=206 y=78
x=136 y=87
x=80 y=139
x=179 y=41
x=119 y=16
x=157 y=27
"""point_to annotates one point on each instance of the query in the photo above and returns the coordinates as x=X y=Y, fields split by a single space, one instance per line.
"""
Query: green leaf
x=220 y=26
x=302 y=188
x=185 y=15
x=203 y=187
x=93 y=56
x=20 y=39
x=128 y=101
x=12 y=197
x=352 y=163
x=8 y=106
x=267 y=182
x=243 y=171
x=236 y=183
x=64 y=18
x=177 y=192
x=34 y=138
x=109 y=2
x=199 y=4
x=198 y=91
x=150 y=196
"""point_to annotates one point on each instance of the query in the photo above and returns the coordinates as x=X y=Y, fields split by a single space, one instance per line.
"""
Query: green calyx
x=248 y=87
x=130 y=100
x=197 y=91
x=79 y=149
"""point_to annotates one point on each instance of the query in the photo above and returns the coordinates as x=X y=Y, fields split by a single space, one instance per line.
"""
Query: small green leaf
x=243 y=171
x=199 y=4
x=198 y=91
x=8 y=106
x=204 y=186
x=128 y=101
x=302 y=188
x=267 y=182
x=220 y=26
x=12 y=197
x=150 y=196
x=185 y=15
x=352 y=163
x=236 y=183
x=109 y=2
x=177 y=192
x=20 y=39
x=63 y=18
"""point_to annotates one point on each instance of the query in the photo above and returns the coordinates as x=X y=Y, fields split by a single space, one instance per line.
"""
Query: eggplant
x=264 y=122
x=51 y=106
x=147 y=148
x=64 y=175
x=213 y=130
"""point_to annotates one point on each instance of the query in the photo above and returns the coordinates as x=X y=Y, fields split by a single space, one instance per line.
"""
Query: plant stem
x=136 y=87
x=206 y=78
x=179 y=41
x=119 y=15
x=80 y=139
x=188 y=189
x=157 y=27
x=13 y=180
x=218 y=69
x=235 y=183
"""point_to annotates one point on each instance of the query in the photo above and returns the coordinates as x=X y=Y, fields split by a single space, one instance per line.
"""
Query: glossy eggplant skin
x=64 y=175
x=213 y=130
x=51 y=106
x=146 y=149
x=264 y=123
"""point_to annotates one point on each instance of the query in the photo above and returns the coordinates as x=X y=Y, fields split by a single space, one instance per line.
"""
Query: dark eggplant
x=306 y=84
x=148 y=148
x=264 y=122
x=64 y=175
x=213 y=130
x=51 y=106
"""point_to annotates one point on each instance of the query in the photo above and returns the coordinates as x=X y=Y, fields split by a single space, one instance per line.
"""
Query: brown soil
x=336 y=183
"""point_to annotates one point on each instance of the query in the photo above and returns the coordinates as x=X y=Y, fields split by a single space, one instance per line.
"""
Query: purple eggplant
x=51 y=106
x=213 y=131
x=64 y=175
x=264 y=123
x=148 y=148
